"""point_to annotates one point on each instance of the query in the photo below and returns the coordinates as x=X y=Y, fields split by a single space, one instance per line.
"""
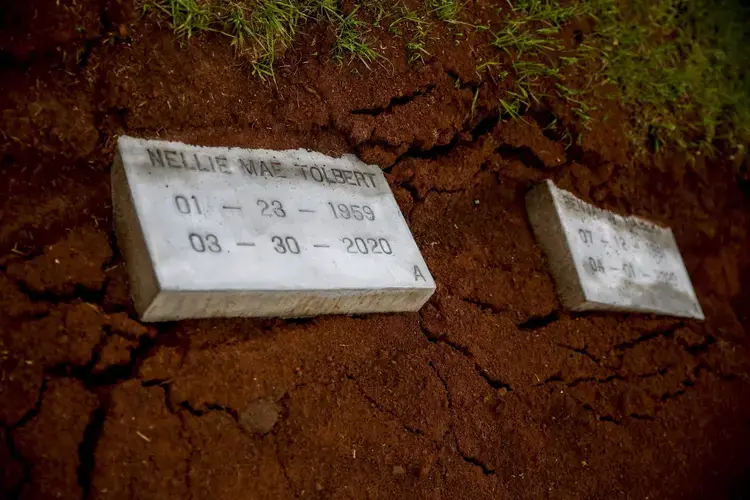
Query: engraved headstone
x=234 y=232
x=603 y=261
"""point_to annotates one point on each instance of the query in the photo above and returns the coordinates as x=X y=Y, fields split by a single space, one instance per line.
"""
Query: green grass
x=350 y=42
x=188 y=16
x=264 y=33
x=532 y=71
x=379 y=10
x=550 y=13
x=512 y=107
x=529 y=36
x=445 y=10
x=416 y=45
x=264 y=30
x=681 y=65
x=515 y=36
x=678 y=65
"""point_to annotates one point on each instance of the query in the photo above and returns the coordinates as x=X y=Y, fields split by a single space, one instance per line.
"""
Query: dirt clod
x=51 y=439
x=116 y=351
x=260 y=416
x=71 y=264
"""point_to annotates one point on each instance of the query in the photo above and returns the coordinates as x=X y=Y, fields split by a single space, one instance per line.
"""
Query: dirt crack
x=600 y=417
x=672 y=395
x=288 y=480
x=451 y=430
x=639 y=416
x=87 y=448
x=448 y=398
x=33 y=411
x=647 y=375
x=167 y=389
x=207 y=408
x=396 y=101
x=469 y=84
x=582 y=351
x=604 y=380
x=485 y=126
x=696 y=349
x=664 y=332
x=486 y=470
x=433 y=153
x=382 y=409
x=537 y=322
x=582 y=380
x=493 y=382
x=484 y=306
x=25 y=464
x=524 y=154
x=531 y=323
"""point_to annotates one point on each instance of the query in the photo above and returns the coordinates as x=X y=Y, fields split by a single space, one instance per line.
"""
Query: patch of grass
x=530 y=36
x=527 y=38
x=512 y=107
x=268 y=33
x=238 y=25
x=681 y=65
x=349 y=40
x=263 y=30
x=378 y=9
x=532 y=71
x=189 y=17
x=445 y=10
x=486 y=66
x=515 y=36
x=416 y=45
x=321 y=9
x=577 y=98
x=529 y=77
x=549 y=12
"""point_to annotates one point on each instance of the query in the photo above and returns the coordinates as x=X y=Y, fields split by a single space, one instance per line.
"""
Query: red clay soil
x=492 y=391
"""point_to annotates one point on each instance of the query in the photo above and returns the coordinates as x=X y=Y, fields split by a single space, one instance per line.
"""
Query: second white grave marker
x=603 y=261
x=235 y=232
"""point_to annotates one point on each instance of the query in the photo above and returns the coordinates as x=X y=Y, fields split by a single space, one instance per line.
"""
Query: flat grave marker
x=236 y=232
x=603 y=261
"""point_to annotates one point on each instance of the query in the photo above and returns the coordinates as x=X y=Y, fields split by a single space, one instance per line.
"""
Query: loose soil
x=491 y=391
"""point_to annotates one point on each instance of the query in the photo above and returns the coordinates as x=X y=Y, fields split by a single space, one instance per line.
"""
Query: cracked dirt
x=491 y=391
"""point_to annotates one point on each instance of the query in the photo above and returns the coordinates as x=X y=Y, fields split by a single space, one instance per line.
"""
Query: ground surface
x=490 y=392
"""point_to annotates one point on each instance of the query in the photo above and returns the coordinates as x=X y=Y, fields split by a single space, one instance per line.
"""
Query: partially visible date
x=366 y=246
x=351 y=211
x=666 y=276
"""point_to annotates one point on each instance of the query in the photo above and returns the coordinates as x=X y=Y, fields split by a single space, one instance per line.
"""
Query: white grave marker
x=235 y=232
x=603 y=261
